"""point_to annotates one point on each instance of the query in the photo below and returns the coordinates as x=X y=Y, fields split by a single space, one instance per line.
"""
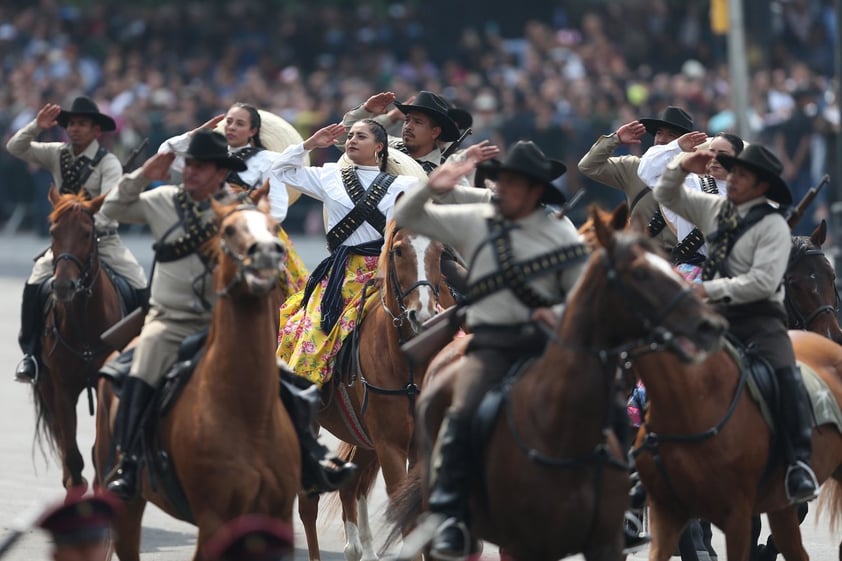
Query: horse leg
x=353 y=497
x=127 y=530
x=666 y=530
x=786 y=534
x=308 y=512
x=60 y=414
x=737 y=530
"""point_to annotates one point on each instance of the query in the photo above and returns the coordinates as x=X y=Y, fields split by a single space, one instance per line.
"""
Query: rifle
x=795 y=213
x=436 y=332
x=574 y=200
x=121 y=333
x=133 y=155
x=455 y=144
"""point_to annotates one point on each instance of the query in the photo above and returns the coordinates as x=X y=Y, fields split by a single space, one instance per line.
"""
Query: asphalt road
x=28 y=477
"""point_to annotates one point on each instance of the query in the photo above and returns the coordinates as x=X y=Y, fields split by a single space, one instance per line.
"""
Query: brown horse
x=375 y=414
x=84 y=304
x=230 y=441
x=812 y=302
x=551 y=477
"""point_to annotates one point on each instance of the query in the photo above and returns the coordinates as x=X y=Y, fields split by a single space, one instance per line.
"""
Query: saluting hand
x=688 y=142
x=482 y=151
x=697 y=162
x=631 y=133
x=444 y=178
x=378 y=103
x=46 y=117
x=157 y=168
x=324 y=137
x=210 y=124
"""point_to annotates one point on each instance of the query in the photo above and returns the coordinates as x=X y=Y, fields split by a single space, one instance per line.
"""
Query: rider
x=749 y=245
x=181 y=220
x=80 y=163
x=249 y=141
x=504 y=313
x=620 y=172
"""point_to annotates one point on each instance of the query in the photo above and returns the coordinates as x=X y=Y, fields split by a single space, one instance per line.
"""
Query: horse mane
x=388 y=238
x=66 y=203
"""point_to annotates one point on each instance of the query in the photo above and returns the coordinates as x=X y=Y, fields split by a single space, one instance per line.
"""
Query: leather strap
x=74 y=174
x=365 y=206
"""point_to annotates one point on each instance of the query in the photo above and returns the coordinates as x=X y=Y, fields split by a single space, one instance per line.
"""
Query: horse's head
x=411 y=266
x=249 y=252
x=812 y=301
x=637 y=298
x=73 y=243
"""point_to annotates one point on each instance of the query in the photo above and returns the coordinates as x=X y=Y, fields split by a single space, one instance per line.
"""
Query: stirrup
x=449 y=555
x=800 y=465
x=25 y=378
x=633 y=535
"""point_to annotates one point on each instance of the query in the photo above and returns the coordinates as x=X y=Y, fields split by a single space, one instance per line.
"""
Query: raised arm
x=123 y=203
x=23 y=145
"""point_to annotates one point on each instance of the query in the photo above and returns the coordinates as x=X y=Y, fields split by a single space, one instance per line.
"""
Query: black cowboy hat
x=438 y=109
x=210 y=146
x=766 y=165
x=672 y=117
x=85 y=107
x=461 y=117
x=526 y=158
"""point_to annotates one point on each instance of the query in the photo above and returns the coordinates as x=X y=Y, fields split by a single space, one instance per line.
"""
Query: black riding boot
x=635 y=537
x=135 y=398
x=321 y=471
x=449 y=495
x=29 y=338
x=801 y=484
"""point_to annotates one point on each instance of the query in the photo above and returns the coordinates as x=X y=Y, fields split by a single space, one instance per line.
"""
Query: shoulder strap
x=74 y=175
x=365 y=206
x=645 y=191
x=694 y=241
x=196 y=232
x=513 y=275
x=755 y=215
x=244 y=155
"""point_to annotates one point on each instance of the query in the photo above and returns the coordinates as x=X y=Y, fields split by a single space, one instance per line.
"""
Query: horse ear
x=53 y=195
x=637 y=223
x=260 y=193
x=96 y=203
x=620 y=216
x=604 y=234
x=819 y=235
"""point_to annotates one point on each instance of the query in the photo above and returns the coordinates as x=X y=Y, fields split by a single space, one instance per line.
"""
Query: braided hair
x=381 y=136
x=254 y=121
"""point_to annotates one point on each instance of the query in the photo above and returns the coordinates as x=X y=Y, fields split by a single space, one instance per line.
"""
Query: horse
x=549 y=459
x=812 y=301
x=374 y=415
x=230 y=442
x=84 y=303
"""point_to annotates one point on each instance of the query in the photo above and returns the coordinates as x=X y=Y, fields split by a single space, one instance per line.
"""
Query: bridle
x=400 y=293
x=797 y=319
x=89 y=270
x=244 y=263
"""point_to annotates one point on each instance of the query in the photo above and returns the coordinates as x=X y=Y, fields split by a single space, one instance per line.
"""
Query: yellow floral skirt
x=302 y=344
x=296 y=271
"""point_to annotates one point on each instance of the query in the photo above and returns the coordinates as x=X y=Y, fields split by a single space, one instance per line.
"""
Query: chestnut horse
x=375 y=414
x=84 y=304
x=551 y=479
x=812 y=301
x=230 y=441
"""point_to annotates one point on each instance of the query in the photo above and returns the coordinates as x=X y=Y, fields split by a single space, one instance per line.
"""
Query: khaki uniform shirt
x=465 y=227
x=620 y=172
x=103 y=178
x=182 y=290
x=758 y=260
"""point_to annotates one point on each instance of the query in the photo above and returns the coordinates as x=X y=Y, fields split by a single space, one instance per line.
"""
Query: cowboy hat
x=85 y=107
x=527 y=159
x=210 y=146
x=766 y=165
x=672 y=117
x=437 y=109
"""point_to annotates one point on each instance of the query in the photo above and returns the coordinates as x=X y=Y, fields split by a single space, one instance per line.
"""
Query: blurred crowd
x=562 y=80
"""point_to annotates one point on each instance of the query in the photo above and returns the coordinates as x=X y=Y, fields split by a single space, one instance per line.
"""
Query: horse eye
x=229 y=231
x=399 y=252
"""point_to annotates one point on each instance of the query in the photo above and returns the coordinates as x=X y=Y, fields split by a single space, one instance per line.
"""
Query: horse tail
x=405 y=505
x=831 y=500
x=45 y=436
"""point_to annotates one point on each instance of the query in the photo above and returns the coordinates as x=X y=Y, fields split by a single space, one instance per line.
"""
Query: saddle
x=130 y=298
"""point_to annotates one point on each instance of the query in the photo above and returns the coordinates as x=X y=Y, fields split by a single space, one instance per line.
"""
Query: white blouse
x=258 y=170
x=325 y=184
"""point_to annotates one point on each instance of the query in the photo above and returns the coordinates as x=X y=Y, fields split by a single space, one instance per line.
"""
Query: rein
x=798 y=320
